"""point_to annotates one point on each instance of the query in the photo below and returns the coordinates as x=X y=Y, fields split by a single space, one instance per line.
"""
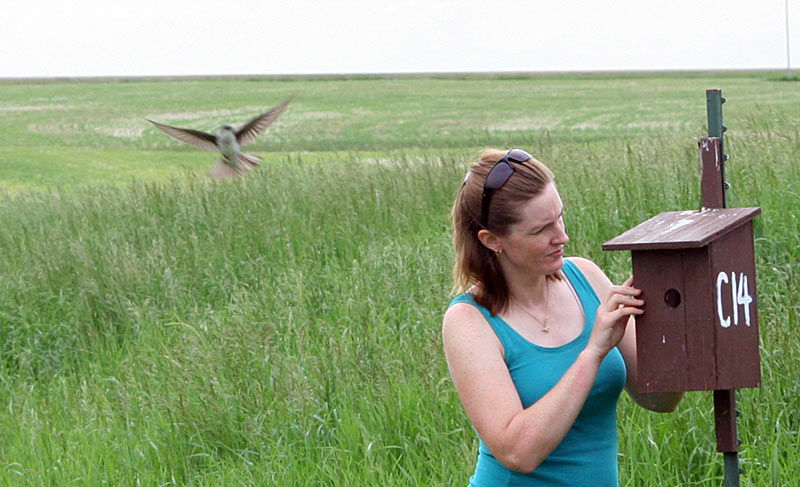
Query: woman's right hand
x=613 y=316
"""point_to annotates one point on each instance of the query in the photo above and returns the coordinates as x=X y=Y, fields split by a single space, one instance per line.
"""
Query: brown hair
x=475 y=264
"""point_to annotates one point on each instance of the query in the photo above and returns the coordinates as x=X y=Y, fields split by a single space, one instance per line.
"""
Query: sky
x=43 y=38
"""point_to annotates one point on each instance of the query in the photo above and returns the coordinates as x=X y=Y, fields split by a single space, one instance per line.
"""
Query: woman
x=539 y=347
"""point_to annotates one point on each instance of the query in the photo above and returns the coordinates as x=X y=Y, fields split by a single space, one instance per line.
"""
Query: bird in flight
x=228 y=141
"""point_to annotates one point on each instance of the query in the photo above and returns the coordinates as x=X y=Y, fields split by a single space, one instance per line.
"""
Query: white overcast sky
x=207 y=37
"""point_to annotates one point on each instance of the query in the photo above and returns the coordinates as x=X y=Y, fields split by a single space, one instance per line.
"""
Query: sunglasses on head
x=497 y=177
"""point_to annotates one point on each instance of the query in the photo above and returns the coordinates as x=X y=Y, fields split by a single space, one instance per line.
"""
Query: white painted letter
x=734 y=295
x=725 y=322
x=744 y=298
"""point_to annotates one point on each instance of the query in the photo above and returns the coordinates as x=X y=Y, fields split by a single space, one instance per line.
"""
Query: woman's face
x=535 y=244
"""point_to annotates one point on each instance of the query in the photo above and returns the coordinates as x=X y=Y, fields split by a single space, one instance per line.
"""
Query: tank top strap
x=584 y=290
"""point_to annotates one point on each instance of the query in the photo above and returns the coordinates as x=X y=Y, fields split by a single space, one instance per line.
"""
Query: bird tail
x=223 y=170
x=249 y=161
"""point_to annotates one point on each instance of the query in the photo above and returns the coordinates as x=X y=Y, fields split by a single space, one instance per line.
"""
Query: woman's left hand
x=613 y=315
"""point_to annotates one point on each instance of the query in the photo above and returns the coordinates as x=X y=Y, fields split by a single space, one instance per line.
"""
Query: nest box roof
x=682 y=229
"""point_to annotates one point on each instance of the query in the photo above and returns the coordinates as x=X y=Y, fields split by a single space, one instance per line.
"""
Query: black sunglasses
x=497 y=177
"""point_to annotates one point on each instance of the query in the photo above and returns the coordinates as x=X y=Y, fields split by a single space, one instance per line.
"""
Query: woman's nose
x=561 y=237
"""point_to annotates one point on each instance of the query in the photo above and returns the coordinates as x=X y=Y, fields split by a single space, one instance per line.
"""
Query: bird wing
x=249 y=131
x=197 y=138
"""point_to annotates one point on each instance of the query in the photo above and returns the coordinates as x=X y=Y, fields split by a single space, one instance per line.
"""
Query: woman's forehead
x=545 y=206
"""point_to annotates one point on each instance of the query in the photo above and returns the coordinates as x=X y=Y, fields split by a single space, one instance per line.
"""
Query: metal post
x=713 y=185
x=727 y=439
x=714 y=101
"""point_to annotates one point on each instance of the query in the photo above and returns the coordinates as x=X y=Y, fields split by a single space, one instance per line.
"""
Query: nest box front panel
x=673 y=338
x=702 y=372
x=660 y=331
x=735 y=310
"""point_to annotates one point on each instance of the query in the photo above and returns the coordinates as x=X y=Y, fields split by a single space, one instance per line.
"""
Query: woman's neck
x=528 y=291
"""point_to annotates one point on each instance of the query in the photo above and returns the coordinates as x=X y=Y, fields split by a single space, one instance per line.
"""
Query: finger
x=626 y=287
x=616 y=300
x=626 y=290
x=629 y=300
x=622 y=312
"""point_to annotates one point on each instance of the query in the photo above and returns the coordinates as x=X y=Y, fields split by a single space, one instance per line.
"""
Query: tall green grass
x=283 y=328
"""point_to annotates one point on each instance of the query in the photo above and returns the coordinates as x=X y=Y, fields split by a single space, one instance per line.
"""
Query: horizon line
x=378 y=75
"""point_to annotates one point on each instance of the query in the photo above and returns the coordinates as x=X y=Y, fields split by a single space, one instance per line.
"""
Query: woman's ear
x=490 y=241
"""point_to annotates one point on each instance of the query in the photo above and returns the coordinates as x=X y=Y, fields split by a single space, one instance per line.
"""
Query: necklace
x=545 y=326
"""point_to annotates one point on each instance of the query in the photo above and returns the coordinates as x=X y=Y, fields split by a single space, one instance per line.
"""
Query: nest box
x=696 y=270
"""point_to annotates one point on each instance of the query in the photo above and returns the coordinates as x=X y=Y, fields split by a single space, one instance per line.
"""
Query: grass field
x=157 y=328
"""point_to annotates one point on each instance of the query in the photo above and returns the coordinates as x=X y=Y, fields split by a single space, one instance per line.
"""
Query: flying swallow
x=228 y=141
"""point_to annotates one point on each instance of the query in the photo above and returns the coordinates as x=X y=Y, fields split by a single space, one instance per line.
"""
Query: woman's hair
x=475 y=264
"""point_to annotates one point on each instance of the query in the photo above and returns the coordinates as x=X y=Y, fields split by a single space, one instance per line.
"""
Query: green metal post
x=714 y=101
x=731 y=469
x=724 y=401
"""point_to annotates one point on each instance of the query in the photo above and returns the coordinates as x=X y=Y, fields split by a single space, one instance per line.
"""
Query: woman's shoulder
x=584 y=264
x=466 y=330
x=464 y=315
x=593 y=274
x=587 y=267
x=462 y=311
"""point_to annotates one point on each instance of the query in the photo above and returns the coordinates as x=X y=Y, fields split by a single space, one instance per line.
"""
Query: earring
x=498 y=252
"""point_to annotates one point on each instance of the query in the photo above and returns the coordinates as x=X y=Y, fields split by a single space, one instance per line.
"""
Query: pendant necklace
x=545 y=326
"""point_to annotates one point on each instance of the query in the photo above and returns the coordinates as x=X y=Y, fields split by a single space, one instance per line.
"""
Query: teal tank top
x=587 y=456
